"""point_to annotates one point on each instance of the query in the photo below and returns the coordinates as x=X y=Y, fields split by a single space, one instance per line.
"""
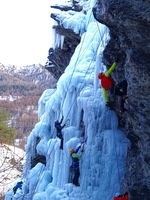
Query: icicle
x=62 y=41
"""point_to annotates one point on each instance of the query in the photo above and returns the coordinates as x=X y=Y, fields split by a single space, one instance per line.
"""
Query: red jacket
x=122 y=198
x=106 y=82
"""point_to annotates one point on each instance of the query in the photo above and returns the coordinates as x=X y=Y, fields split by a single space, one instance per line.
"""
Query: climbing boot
x=122 y=110
x=77 y=185
x=125 y=97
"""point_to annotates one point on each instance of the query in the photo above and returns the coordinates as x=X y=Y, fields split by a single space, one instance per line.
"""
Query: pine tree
x=7 y=134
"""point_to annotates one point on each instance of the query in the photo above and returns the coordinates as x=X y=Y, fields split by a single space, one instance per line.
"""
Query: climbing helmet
x=117 y=194
x=100 y=75
x=56 y=122
x=71 y=150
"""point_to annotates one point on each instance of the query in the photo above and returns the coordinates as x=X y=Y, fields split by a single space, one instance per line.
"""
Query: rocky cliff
x=59 y=58
x=129 y=25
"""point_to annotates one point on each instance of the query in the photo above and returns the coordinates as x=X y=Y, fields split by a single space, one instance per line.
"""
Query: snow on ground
x=11 y=162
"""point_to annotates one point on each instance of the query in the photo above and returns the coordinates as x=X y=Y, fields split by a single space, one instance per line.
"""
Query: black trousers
x=120 y=90
x=59 y=135
x=76 y=176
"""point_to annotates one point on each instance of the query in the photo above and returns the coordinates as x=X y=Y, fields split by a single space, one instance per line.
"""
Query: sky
x=25 y=35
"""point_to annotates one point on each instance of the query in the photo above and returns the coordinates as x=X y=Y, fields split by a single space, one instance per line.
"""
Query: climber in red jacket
x=121 y=197
x=108 y=85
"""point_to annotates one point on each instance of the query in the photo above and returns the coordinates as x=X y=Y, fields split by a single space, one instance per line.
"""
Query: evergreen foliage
x=7 y=134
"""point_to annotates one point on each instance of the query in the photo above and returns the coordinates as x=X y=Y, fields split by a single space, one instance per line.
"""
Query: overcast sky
x=25 y=31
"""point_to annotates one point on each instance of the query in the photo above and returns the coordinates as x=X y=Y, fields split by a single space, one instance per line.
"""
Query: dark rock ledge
x=129 y=25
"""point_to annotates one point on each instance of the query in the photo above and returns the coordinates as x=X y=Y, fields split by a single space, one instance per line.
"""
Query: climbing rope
x=115 y=145
x=75 y=66
x=69 y=110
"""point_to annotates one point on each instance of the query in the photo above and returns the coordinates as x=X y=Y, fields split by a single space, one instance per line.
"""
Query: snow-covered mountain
x=33 y=73
x=114 y=159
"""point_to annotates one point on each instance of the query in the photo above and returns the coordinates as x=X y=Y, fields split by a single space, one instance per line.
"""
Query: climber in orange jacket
x=108 y=85
x=121 y=197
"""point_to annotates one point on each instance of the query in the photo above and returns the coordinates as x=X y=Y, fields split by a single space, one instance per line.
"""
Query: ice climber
x=75 y=155
x=108 y=85
x=17 y=186
x=59 y=128
x=121 y=197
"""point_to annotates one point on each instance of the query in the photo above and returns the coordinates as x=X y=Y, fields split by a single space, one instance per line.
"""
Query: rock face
x=59 y=58
x=129 y=25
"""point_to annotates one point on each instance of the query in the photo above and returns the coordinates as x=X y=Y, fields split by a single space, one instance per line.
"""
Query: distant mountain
x=20 y=90
x=23 y=80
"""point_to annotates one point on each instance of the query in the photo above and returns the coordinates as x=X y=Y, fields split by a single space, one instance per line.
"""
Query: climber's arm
x=111 y=69
x=61 y=119
x=77 y=155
